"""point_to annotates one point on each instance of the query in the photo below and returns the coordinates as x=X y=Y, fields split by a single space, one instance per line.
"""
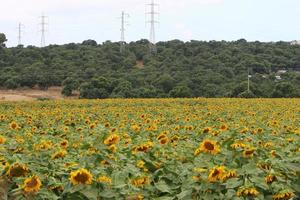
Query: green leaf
x=163 y=187
x=259 y=182
x=185 y=194
x=91 y=194
x=233 y=183
x=107 y=194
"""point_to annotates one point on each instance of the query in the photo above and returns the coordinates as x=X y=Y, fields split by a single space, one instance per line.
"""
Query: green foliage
x=180 y=91
x=2 y=40
x=97 y=88
x=180 y=69
x=284 y=90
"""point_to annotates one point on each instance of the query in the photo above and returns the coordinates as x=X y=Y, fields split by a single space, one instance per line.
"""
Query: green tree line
x=179 y=69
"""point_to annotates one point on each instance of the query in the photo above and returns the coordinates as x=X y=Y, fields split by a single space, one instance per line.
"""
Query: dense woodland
x=179 y=69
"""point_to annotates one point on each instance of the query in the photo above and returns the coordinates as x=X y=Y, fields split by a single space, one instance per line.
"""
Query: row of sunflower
x=150 y=149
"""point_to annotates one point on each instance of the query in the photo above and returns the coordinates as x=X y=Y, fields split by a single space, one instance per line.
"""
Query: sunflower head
x=64 y=144
x=14 y=126
x=17 y=170
x=81 y=176
x=216 y=174
x=32 y=184
x=2 y=140
x=248 y=153
x=283 y=195
x=104 y=179
x=59 y=154
x=112 y=139
x=247 y=192
x=207 y=130
x=209 y=146
x=223 y=127
x=141 y=181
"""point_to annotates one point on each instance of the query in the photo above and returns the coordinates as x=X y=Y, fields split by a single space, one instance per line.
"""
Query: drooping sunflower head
x=17 y=170
x=210 y=146
x=81 y=176
x=248 y=153
x=32 y=184
x=104 y=179
x=283 y=195
x=216 y=174
x=250 y=192
x=112 y=139
x=59 y=154
x=141 y=181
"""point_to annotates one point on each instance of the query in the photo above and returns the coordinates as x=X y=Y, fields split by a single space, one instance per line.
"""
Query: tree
x=97 y=88
x=180 y=91
x=123 y=90
x=69 y=84
x=284 y=89
x=2 y=40
x=89 y=43
x=165 y=82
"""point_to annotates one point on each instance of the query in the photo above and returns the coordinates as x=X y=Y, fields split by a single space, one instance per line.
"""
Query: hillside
x=180 y=69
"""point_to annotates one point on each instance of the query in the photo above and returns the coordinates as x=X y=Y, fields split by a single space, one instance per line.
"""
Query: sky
x=78 y=20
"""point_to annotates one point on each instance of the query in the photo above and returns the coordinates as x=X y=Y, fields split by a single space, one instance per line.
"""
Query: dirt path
x=30 y=94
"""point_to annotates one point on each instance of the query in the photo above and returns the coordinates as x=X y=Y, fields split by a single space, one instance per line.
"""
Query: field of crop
x=150 y=149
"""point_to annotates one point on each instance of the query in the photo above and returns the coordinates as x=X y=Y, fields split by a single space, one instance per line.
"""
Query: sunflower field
x=161 y=149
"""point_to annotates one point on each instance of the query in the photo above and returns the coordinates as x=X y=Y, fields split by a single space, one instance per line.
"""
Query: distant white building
x=278 y=78
x=295 y=42
x=283 y=71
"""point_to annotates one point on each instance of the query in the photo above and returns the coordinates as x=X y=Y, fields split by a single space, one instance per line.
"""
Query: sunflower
x=270 y=179
x=244 y=130
x=164 y=141
x=112 y=139
x=32 y=184
x=248 y=153
x=143 y=147
x=17 y=170
x=135 y=197
x=228 y=175
x=13 y=125
x=141 y=181
x=104 y=179
x=251 y=192
x=216 y=174
x=59 y=154
x=64 y=144
x=237 y=145
x=81 y=176
x=207 y=130
x=283 y=195
x=112 y=148
x=209 y=146
x=224 y=127
x=92 y=126
x=2 y=140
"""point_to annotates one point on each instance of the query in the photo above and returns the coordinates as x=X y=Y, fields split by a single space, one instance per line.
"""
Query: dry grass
x=31 y=94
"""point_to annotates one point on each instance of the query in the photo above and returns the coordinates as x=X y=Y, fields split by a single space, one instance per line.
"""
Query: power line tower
x=124 y=22
x=43 y=25
x=20 y=31
x=153 y=13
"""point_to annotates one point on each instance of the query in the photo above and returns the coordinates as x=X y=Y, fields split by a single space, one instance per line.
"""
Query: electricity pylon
x=20 y=31
x=43 y=25
x=124 y=22
x=153 y=13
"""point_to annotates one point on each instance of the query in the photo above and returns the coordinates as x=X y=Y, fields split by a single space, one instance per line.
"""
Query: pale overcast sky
x=78 y=20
